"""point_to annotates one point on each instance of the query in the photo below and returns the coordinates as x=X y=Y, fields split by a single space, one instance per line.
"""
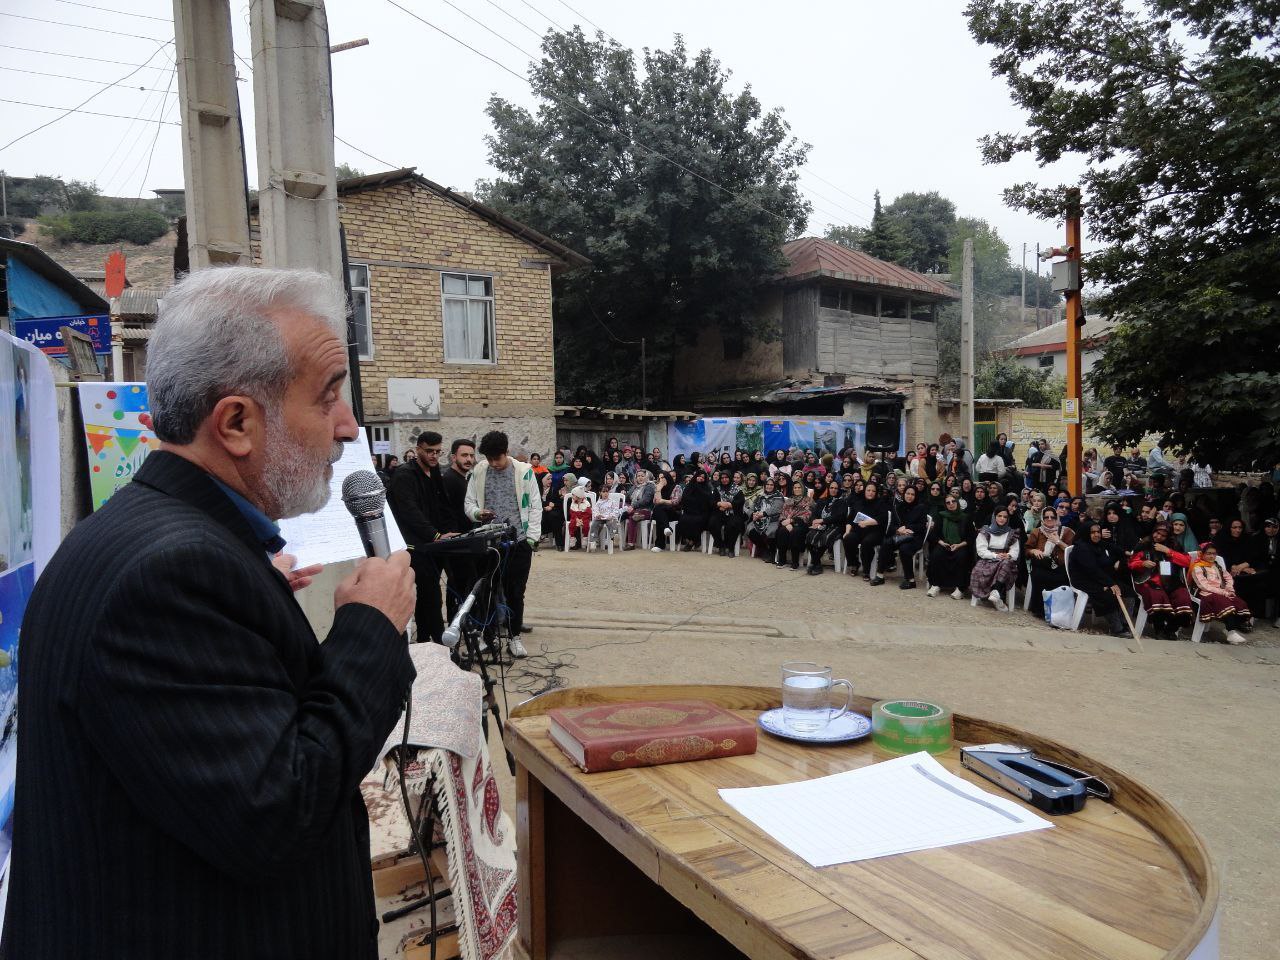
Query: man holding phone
x=504 y=489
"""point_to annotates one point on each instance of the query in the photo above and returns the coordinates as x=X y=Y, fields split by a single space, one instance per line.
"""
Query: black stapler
x=1046 y=785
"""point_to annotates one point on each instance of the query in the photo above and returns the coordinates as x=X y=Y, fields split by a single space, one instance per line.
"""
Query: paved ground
x=1193 y=722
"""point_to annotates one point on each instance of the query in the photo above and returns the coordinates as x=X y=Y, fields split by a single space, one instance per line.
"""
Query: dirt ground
x=1191 y=721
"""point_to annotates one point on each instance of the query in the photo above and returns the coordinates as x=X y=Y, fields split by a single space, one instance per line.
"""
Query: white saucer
x=850 y=726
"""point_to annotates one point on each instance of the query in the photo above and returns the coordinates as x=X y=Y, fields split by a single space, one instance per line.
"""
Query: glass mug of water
x=806 y=696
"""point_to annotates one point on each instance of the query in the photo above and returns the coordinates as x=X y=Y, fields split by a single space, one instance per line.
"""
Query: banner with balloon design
x=117 y=433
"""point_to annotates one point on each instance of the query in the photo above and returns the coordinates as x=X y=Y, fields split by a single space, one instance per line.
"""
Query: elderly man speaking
x=189 y=755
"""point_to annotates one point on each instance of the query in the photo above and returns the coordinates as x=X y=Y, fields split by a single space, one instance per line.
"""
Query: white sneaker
x=1235 y=637
x=933 y=591
x=995 y=598
x=957 y=595
x=516 y=648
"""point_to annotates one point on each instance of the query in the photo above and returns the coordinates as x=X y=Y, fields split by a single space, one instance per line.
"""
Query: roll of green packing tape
x=909 y=726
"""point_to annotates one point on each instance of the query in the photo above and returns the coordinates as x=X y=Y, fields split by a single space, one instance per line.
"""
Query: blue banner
x=45 y=334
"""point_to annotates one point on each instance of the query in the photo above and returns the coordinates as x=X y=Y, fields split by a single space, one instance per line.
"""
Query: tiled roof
x=813 y=256
x=1053 y=338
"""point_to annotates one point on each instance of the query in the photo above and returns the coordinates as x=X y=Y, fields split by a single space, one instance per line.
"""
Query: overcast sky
x=893 y=94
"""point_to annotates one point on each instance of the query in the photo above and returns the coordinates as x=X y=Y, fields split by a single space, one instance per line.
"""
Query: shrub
x=139 y=225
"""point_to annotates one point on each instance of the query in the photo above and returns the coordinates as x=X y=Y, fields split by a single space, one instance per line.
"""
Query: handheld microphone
x=364 y=497
x=453 y=632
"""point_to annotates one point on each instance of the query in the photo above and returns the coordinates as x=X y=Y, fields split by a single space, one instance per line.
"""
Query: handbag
x=1059 y=607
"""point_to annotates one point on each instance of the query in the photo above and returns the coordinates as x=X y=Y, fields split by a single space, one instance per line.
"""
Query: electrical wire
x=77 y=56
x=78 y=107
x=123 y=13
x=366 y=153
x=151 y=155
x=544 y=16
x=147 y=106
x=91 y=113
x=511 y=15
x=81 y=26
x=64 y=76
x=485 y=26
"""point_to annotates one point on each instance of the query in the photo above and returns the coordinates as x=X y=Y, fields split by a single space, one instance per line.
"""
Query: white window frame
x=493 y=316
x=367 y=319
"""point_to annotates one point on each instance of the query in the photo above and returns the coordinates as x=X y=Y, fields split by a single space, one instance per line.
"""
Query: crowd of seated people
x=981 y=526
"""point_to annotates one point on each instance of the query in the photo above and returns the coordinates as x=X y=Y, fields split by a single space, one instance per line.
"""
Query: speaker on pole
x=884 y=424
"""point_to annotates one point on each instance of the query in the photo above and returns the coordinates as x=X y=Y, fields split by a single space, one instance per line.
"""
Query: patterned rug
x=479 y=837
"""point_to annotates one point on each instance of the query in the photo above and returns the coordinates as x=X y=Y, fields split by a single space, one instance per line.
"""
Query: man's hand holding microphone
x=386 y=585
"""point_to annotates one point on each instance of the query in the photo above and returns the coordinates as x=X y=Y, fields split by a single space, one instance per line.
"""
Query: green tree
x=1172 y=104
x=675 y=243
x=926 y=221
x=344 y=171
x=885 y=239
x=849 y=235
x=1006 y=379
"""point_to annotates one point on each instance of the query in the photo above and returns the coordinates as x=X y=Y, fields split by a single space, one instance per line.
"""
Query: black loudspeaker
x=884 y=424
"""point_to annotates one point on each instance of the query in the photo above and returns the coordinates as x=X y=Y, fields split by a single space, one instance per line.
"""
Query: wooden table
x=650 y=862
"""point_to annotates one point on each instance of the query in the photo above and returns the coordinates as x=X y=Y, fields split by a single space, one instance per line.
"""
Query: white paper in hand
x=329 y=535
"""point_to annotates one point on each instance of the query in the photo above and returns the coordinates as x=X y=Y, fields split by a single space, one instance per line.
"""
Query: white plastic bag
x=1059 y=607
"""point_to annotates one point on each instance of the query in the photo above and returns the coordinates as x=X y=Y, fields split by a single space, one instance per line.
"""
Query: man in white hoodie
x=504 y=489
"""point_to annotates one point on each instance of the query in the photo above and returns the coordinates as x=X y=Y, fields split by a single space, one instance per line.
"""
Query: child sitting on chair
x=605 y=519
x=579 y=512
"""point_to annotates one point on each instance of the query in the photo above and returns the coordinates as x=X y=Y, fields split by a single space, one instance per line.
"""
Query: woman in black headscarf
x=980 y=507
x=827 y=525
x=908 y=526
x=793 y=525
x=863 y=536
x=725 y=523
x=696 y=506
x=763 y=512
x=1239 y=552
x=951 y=549
x=1091 y=570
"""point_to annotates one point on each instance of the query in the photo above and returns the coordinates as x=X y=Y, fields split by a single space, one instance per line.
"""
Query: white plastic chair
x=1197 y=631
x=618 y=500
x=646 y=530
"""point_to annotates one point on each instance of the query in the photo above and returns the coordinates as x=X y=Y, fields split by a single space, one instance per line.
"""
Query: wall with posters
x=30 y=492
x=712 y=436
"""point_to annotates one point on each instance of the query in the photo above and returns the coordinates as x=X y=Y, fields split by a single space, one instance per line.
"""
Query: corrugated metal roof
x=134 y=301
x=1054 y=336
x=813 y=256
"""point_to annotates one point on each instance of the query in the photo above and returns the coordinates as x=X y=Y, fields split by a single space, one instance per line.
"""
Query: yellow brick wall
x=406 y=223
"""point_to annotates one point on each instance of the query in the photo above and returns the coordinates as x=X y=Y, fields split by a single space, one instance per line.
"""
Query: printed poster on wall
x=750 y=436
x=685 y=437
x=721 y=435
x=117 y=433
x=30 y=497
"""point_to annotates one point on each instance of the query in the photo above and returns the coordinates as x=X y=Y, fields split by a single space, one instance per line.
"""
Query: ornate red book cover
x=645 y=733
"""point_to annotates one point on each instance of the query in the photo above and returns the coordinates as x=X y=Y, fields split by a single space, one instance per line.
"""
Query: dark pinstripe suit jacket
x=189 y=757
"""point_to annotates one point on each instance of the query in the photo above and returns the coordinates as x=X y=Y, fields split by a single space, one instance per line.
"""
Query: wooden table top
x=1126 y=879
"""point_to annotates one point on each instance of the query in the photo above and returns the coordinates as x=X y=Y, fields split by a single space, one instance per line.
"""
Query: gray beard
x=295 y=478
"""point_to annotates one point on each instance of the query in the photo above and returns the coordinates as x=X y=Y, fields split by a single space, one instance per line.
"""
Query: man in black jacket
x=189 y=757
x=416 y=495
x=460 y=571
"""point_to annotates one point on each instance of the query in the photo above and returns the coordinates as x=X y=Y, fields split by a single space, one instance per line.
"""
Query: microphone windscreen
x=363 y=494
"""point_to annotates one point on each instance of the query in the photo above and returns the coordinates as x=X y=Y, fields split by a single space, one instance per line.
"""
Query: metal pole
x=4 y=196
x=966 y=343
x=1037 y=286
x=1074 y=430
x=1022 y=306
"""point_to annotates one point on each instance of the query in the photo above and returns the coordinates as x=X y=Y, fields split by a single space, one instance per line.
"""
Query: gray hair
x=217 y=336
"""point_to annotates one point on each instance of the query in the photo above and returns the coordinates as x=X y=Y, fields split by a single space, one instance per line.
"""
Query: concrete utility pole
x=1022 y=304
x=293 y=104
x=966 y=343
x=212 y=140
x=1075 y=320
x=1037 y=286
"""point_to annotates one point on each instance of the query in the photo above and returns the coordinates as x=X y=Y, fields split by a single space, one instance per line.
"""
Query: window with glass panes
x=468 y=318
x=359 y=274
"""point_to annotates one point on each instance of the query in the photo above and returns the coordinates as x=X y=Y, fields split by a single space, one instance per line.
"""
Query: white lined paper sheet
x=895 y=806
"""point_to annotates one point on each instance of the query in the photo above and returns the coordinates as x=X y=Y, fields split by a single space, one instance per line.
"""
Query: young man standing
x=460 y=570
x=417 y=499
x=504 y=489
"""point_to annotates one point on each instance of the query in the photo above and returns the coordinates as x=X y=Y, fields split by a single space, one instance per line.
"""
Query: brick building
x=453 y=313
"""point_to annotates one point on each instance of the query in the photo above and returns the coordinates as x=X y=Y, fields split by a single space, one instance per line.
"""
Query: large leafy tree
x=885 y=239
x=680 y=192
x=1173 y=103
x=926 y=221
